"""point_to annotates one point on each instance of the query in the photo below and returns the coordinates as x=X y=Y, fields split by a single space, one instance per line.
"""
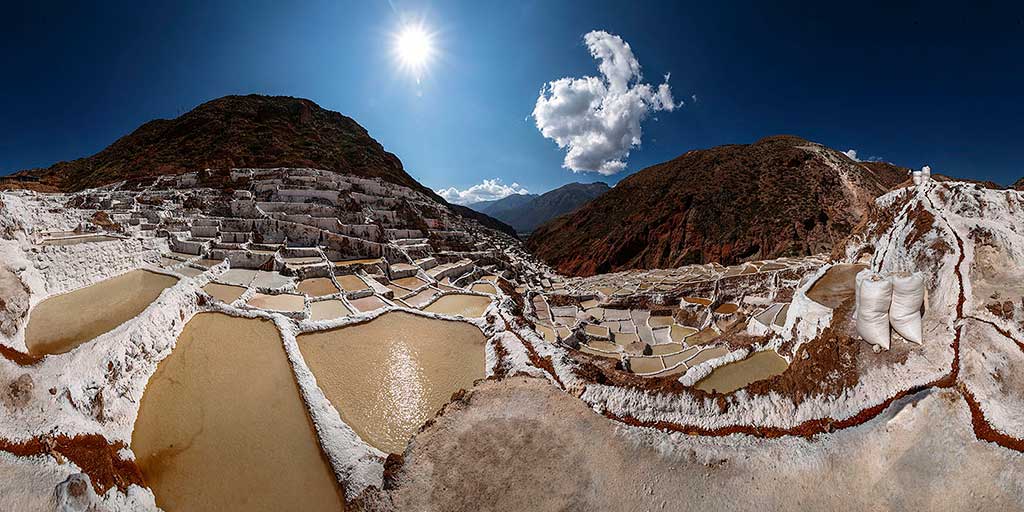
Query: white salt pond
x=63 y=322
x=222 y=425
x=388 y=376
x=460 y=304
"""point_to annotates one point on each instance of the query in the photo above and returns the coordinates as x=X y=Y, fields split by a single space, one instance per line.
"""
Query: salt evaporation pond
x=63 y=322
x=390 y=375
x=836 y=286
x=469 y=306
x=222 y=425
x=317 y=286
x=730 y=377
x=226 y=293
x=484 y=288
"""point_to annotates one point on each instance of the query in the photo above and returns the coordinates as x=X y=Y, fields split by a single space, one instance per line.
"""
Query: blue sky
x=918 y=83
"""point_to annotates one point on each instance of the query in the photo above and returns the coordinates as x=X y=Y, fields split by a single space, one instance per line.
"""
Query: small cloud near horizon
x=597 y=119
x=488 y=190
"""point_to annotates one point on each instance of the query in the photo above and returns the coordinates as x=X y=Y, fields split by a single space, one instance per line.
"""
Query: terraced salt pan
x=222 y=425
x=736 y=375
x=369 y=303
x=469 y=306
x=351 y=283
x=79 y=240
x=63 y=322
x=411 y=282
x=388 y=376
x=224 y=292
x=484 y=288
x=328 y=310
x=281 y=302
x=317 y=286
x=836 y=286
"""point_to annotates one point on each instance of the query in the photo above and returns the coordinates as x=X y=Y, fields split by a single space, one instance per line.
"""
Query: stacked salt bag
x=907 y=299
x=874 y=296
x=894 y=300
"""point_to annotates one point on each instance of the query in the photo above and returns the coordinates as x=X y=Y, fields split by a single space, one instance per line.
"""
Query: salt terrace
x=381 y=305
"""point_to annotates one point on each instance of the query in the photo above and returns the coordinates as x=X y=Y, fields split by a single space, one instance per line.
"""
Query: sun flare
x=414 y=49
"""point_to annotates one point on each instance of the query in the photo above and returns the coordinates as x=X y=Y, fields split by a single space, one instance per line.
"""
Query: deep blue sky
x=914 y=84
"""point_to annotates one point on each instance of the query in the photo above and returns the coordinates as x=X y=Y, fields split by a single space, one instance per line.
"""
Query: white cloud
x=598 y=119
x=489 y=190
x=852 y=153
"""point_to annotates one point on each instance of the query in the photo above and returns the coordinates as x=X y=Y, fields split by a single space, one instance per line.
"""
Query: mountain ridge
x=236 y=131
x=779 y=196
x=525 y=212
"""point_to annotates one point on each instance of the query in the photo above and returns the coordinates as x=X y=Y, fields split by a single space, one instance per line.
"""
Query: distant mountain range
x=236 y=131
x=525 y=212
x=779 y=196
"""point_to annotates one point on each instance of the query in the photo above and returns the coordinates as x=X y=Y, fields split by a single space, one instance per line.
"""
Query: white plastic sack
x=905 y=311
x=860 y=277
x=874 y=296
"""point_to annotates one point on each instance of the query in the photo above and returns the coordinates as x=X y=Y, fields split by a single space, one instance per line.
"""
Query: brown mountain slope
x=1018 y=185
x=779 y=196
x=235 y=131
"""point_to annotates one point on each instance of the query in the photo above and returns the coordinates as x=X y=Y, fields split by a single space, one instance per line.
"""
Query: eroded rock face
x=13 y=302
x=75 y=494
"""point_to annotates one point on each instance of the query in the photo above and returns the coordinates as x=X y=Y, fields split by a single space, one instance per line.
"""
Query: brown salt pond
x=328 y=310
x=484 y=288
x=369 y=303
x=836 y=286
x=317 y=286
x=222 y=425
x=388 y=376
x=730 y=377
x=411 y=282
x=282 y=302
x=351 y=283
x=469 y=306
x=63 y=322
x=224 y=292
x=697 y=300
x=79 y=240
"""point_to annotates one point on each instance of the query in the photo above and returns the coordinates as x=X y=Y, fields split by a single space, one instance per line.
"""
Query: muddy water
x=351 y=283
x=836 y=286
x=369 y=303
x=728 y=378
x=224 y=292
x=282 y=302
x=317 y=286
x=484 y=288
x=222 y=425
x=388 y=376
x=327 y=310
x=458 y=304
x=63 y=322
x=411 y=282
x=79 y=240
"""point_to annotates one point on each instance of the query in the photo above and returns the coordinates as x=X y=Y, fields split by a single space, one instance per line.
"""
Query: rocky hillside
x=1018 y=185
x=235 y=131
x=779 y=196
x=526 y=212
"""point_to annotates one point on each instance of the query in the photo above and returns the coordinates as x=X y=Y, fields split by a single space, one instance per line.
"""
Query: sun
x=414 y=49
